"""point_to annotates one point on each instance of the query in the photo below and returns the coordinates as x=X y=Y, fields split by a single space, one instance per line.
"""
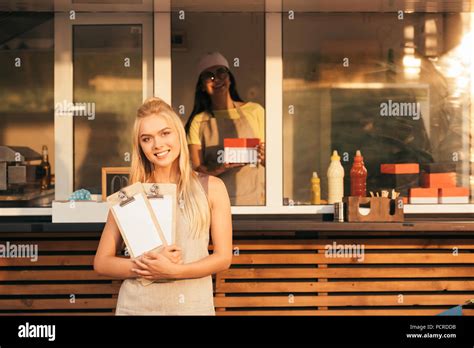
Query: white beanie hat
x=211 y=59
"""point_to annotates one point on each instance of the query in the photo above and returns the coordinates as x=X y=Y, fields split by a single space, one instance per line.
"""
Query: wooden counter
x=281 y=265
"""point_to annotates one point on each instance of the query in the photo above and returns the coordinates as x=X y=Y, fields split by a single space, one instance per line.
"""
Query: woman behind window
x=220 y=113
x=182 y=271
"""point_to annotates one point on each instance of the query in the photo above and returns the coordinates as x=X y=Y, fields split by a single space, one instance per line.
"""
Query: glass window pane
x=107 y=91
x=394 y=85
x=224 y=104
x=26 y=107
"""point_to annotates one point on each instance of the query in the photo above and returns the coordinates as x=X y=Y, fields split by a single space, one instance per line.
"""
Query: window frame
x=63 y=85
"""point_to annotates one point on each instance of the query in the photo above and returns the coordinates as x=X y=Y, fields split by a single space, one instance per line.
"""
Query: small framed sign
x=114 y=179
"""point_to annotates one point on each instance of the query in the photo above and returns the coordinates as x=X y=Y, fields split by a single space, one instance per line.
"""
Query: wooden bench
x=285 y=275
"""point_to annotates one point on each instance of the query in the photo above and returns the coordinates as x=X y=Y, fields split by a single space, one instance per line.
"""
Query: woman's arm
x=106 y=262
x=155 y=267
x=195 y=151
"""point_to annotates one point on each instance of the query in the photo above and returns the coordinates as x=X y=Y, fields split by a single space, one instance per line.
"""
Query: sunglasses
x=208 y=76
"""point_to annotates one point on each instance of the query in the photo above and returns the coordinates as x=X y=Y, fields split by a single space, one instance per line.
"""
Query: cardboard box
x=439 y=167
x=241 y=150
x=400 y=168
x=420 y=195
x=453 y=195
x=438 y=180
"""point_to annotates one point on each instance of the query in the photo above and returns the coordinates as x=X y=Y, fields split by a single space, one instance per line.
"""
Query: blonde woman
x=182 y=271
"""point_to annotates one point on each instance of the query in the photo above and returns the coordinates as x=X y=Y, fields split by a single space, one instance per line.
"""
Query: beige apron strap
x=204 y=179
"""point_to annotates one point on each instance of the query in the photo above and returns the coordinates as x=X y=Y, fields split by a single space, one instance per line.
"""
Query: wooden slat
x=80 y=303
x=290 y=223
x=49 y=260
x=276 y=234
x=50 y=275
x=358 y=312
x=35 y=235
x=49 y=313
x=396 y=272
x=51 y=245
x=317 y=244
x=47 y=289
x=292 y=287
x=60 y=245
x=362 y=300
x=401 y=233
x=392 y=258
x=340 y=312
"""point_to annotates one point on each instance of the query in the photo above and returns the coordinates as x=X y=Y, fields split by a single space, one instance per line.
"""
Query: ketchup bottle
x=358 y=176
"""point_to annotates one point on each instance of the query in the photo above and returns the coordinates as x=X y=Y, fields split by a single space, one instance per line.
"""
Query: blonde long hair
x=189 y=188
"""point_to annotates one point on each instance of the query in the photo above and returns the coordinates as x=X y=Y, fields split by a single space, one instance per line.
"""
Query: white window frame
x=63 y=84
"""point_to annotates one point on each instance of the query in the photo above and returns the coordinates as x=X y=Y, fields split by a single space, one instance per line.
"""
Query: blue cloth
x=455 y=311
x=80 y=195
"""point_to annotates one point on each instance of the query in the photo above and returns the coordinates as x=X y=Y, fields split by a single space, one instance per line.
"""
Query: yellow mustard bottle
x=315 y=189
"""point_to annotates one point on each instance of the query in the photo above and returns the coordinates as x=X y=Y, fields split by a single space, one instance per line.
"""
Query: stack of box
x=438 y=182
x=442 y=178
x=401 y=177
x=438 y=185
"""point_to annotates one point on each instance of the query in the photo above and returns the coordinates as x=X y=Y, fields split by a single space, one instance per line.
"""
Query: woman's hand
x=172 y=253
x=225 y=167
x=155 y=266
x=261 y=153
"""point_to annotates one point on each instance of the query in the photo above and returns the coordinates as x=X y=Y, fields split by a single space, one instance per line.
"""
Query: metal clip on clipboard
x=122 y=195
x=155 y=192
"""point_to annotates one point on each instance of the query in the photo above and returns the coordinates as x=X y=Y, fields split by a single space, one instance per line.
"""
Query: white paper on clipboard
x=135 y=218
x=136 y=221
x=162 y=198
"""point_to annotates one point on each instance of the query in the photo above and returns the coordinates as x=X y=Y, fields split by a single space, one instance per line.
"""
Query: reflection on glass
x=107 y=89
x=220 y=95
x=26 y=106
x=397 y=90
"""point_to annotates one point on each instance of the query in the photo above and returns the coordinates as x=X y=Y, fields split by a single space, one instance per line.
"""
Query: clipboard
x=162 y=198
x=136 y=221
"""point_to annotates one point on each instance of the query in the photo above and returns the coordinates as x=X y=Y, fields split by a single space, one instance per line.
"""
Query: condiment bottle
x=315 y=189
x=335 y=179
x=358 y=176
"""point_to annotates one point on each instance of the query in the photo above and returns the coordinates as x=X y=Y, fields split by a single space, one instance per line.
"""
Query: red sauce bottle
x=358 y=176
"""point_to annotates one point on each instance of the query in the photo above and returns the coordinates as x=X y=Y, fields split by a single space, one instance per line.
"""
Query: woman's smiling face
x=220 y=85
x=159 y=140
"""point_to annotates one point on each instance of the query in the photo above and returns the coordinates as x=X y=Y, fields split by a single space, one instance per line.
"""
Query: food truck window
x=233 y=31
x=394 y=85
x=26 y=108
x=107 y=64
